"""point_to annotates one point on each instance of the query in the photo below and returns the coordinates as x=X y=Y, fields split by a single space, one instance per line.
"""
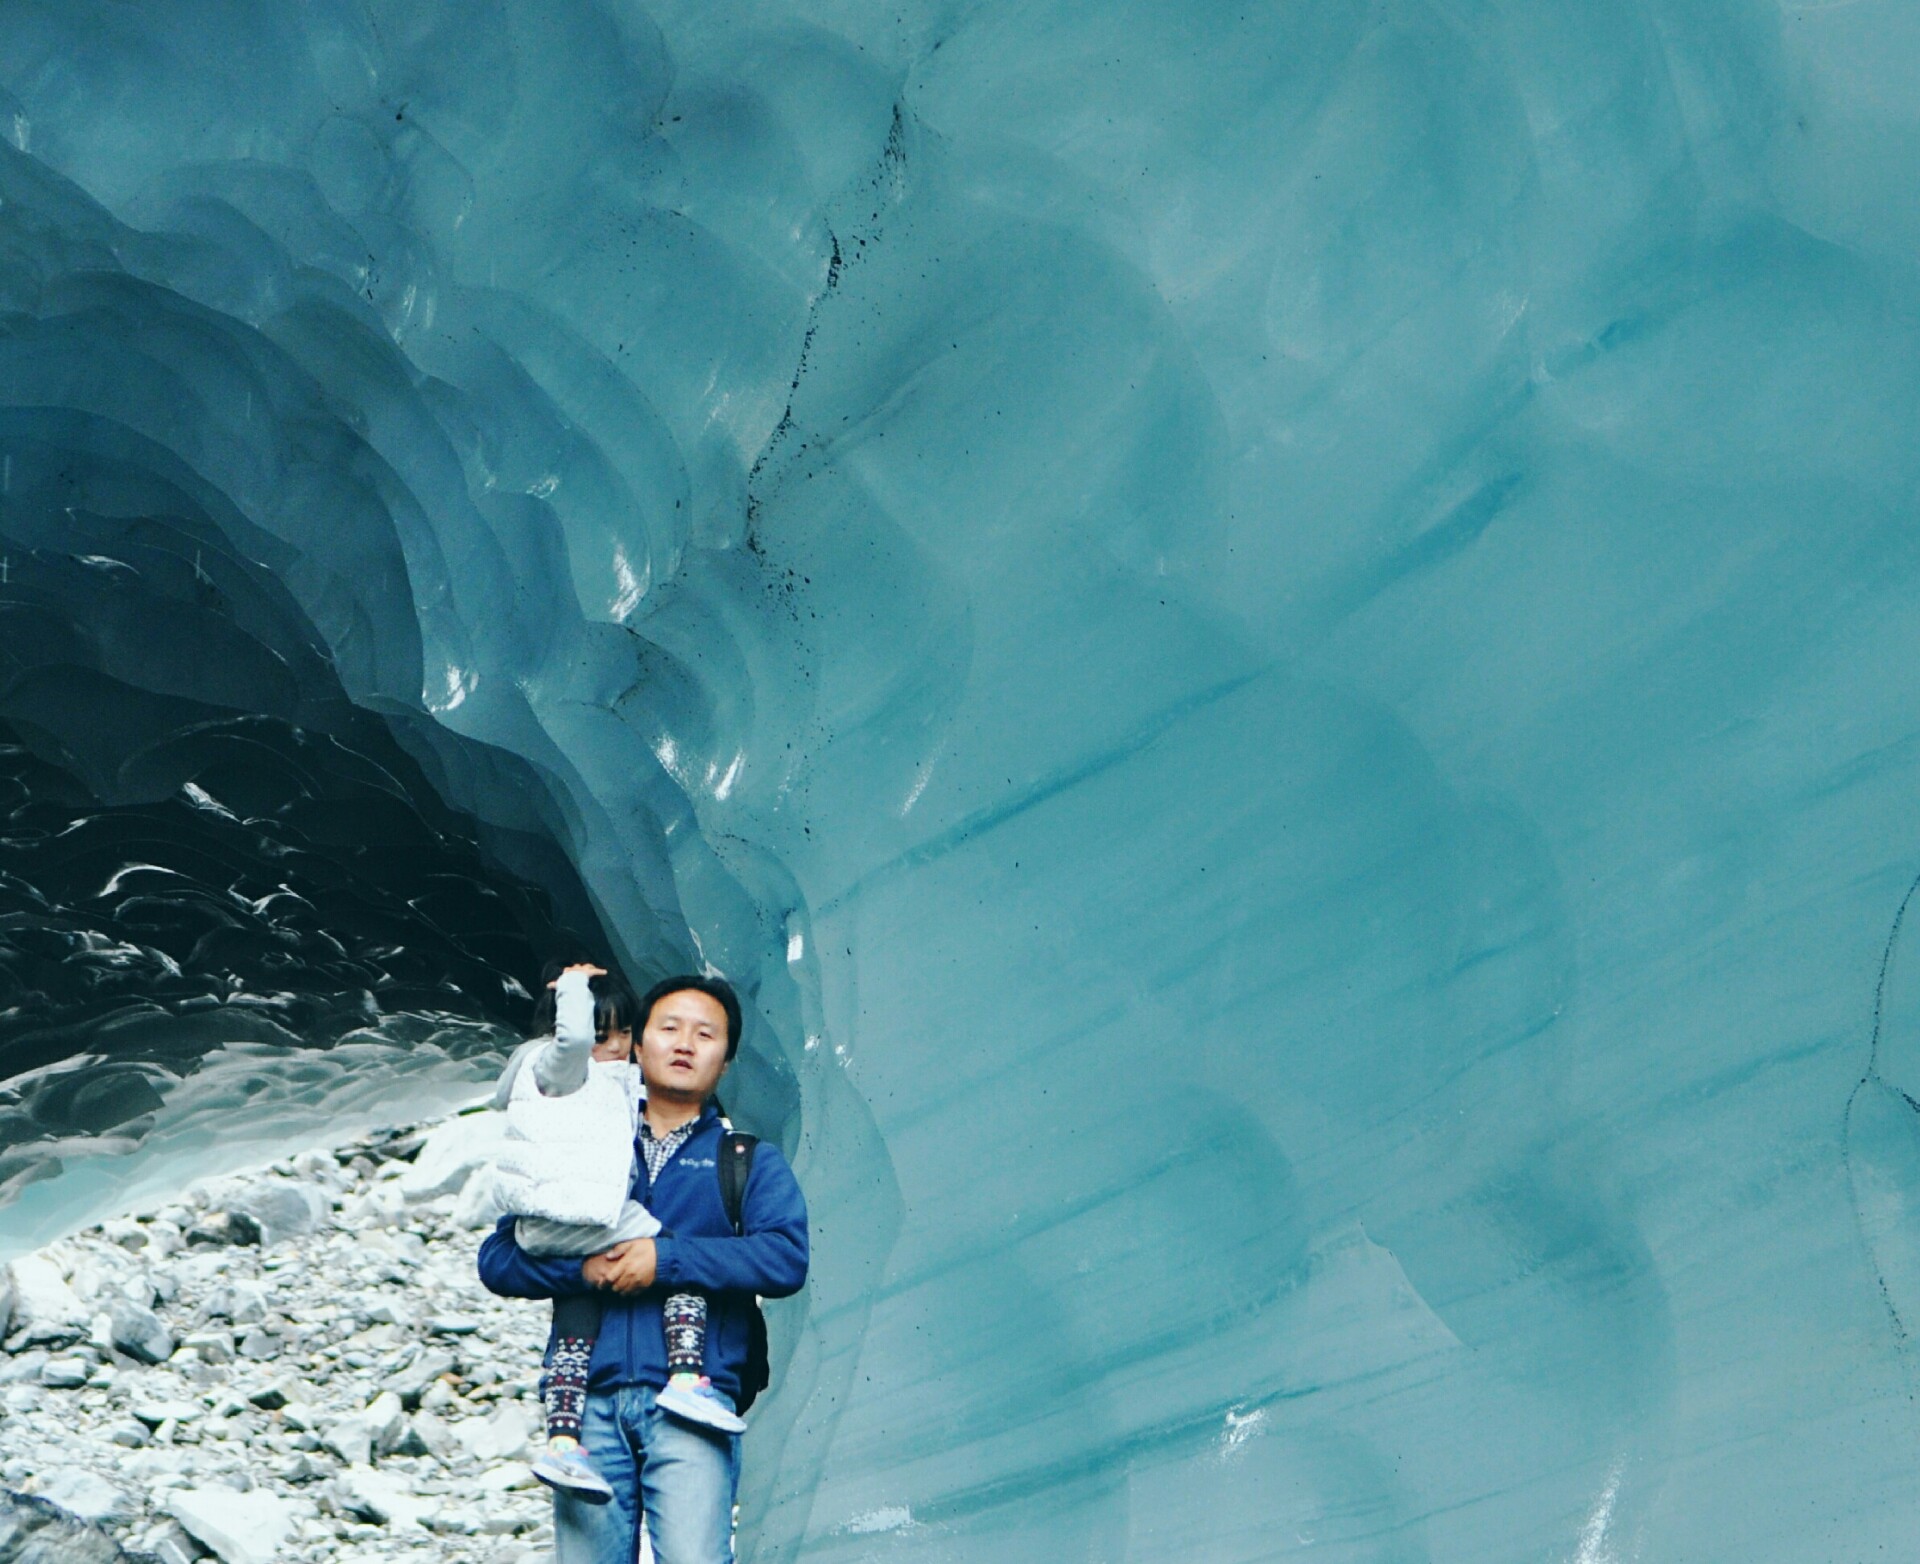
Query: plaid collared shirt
x=658 y=1151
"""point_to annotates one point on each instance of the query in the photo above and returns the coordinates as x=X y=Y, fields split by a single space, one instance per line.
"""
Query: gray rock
x=259 y=1346
x=35 y=1532
x=350 y=1439
x=154 y=1413
x=300 y=1414
x=45 y=1308
x=432 y=1433
x=478 y=1204
x=242 y=1303
x=214 y=1346
x=378 y=1497
x=224 y=1227
x=498 y=1437
x=87 y=1497
x=301 y=1468
x=453 y=1325
x=25 y=1367
x=451 y=1154
x=65 y=1373
x=241 y=1528
x=172 y=1544
x=131 y=1434
x=139 y=1333
x=386 y=1420
x=282 y=1208
x=411 y=1383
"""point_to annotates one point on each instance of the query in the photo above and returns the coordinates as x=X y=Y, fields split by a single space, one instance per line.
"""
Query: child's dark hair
x=614 y=1009
x=716 y=988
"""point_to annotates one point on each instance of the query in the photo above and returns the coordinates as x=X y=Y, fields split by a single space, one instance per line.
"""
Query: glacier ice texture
x=1276 y=641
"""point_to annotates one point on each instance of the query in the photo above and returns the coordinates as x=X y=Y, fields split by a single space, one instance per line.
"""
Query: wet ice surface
x=1274 y=642
x=236 y=1104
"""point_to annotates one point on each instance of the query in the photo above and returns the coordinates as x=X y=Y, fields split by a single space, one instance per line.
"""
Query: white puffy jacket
x=569 y=1156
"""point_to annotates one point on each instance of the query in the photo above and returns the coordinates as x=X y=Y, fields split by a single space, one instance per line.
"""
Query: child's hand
x=580 y=966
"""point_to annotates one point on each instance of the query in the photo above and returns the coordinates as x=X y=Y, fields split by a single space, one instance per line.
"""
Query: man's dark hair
x=713 y=987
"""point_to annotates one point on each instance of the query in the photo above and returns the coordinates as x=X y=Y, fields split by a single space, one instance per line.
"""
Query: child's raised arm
x=561 y=1067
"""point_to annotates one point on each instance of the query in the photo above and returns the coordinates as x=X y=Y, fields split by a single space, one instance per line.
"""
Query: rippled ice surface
x=1277 y=641
x=242 y=1105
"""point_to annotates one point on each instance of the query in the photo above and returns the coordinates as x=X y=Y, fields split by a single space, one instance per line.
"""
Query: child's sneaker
x=564 y=1465
x=692 y=1397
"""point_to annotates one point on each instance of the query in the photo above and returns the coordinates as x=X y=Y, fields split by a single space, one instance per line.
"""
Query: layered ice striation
x=1276 y=641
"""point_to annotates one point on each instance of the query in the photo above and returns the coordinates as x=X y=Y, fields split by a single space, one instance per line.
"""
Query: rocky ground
x=294 y=1364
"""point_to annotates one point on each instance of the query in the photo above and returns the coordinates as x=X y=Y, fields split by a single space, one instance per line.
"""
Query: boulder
x=33 y=1531
x=24 y=1369
x=139 y=1333
x=259 y=1346
x=155 y=1412
x=350 y=1439
x=224 y=1227
x=379 y=1497
x=214 y=1346
x=386 y=1420
x=87 y=1497
x=65 y=1373
x=496 y=1438
x=434 y=1434
x=268 y=1397
x=453 y=1325
x=241 y=1528
x=170 y=1544
x=45 y=1308
x=451 y=1154
x=282 y=1207
x=242 y=1303
x=376 y=1429
x=478 y=1204
x=411 y=1383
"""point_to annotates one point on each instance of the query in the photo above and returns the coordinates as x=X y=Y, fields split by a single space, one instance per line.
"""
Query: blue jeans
x=684 y=1477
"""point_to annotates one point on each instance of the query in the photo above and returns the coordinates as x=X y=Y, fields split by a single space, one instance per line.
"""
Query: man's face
x=683 y=1047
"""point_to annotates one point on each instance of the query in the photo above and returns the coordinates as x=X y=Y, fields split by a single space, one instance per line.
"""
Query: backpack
x=736 y=1162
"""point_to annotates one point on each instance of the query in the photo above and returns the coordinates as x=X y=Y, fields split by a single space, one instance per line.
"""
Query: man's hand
x=625 y=1268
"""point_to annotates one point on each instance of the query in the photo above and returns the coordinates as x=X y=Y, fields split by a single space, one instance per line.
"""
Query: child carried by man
x=573 y=1095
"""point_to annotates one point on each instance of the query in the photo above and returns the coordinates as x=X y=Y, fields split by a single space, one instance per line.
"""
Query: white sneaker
x=694 y=1400
x=570 y=1471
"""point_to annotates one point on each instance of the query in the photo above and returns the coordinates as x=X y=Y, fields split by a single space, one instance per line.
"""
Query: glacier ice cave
x=1278 y=641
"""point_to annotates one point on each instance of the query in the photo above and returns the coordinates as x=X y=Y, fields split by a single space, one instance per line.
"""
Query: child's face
x=614 y=1046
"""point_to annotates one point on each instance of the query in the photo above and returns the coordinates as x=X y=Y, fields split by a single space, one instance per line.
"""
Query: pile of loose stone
x=294 y=1364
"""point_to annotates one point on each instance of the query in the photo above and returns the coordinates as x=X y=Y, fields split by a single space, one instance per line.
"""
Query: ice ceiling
x=1278 y=639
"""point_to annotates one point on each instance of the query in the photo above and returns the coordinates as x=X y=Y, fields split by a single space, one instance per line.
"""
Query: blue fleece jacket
x=697 y=1251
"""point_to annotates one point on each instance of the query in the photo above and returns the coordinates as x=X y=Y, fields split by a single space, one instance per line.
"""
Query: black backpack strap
x=736 y=1162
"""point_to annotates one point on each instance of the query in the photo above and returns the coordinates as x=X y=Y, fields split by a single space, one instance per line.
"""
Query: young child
x=573 y=1103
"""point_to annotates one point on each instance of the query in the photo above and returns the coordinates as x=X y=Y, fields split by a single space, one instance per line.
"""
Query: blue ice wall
x=1279 y=641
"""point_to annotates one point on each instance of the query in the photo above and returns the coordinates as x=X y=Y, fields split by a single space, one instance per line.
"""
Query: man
x=681 y=1476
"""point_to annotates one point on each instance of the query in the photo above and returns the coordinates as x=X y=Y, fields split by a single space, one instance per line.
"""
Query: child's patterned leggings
x=576 y=1326
x=563 y=1388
